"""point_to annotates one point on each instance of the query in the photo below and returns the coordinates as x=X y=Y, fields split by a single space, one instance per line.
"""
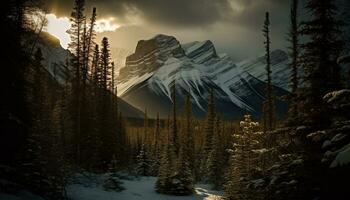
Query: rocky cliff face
x=148 y=76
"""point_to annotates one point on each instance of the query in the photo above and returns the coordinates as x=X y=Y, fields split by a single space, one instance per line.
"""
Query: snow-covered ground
x=89 y=187
x=137 y=189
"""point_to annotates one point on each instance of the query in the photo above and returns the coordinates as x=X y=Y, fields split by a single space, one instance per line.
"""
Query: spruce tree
x=112 y=183
x=163 y=183
x=143 y=162
x=269 y=103
x=106 y=115
x=241 y=161
x=209 y=132
x=91 y=35
x=320 y=52
x=95 y=72
x=105 y=63
x=294 y=54
x=156 y=147
x=77 y=20
x=215 y=159
x=174 y=130
x=188 y=137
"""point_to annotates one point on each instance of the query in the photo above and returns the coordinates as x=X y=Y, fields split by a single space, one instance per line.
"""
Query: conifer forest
x=172 y=100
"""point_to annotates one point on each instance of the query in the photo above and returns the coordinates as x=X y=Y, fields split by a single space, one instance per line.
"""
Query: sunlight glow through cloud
x=103 y=25
x=58 y=27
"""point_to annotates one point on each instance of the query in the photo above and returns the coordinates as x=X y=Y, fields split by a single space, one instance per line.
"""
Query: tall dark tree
x=95 y=73
x=215 y=159
x=269 y=103
x=188 y=136
x=91 y=35
x=105 y=63
x=209 y=132
x=174 y=130
x=294 y=54
x=320 y=52
x=157 y=145
x=76 y=33
x=112 y=78
x=14 y=113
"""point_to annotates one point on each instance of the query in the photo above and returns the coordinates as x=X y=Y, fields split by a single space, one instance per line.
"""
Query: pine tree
x=95 y=67
x=215 y=159
x=105 y=63
x=76 y=32
x=182 y=180
x=156 y=147
x=294 y=53
x=241 y=161
x=174 y=131
x=112 y=78
x=320 y=52
x=143 y=162
x=146 y=138
x=209 y=132
x=163 y=183
x=188 y=138
x=269 y=103
x=113 y=183
x=107 y=115
x=90 y=40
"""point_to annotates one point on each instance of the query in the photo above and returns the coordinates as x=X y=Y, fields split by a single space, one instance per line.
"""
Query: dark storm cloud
x=179 y=13
x=233 y=25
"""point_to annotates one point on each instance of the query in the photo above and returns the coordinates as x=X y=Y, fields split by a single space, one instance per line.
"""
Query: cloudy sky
x=233 y=25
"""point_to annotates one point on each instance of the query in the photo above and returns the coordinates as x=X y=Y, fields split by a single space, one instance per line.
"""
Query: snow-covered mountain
x=147 y=78
x=55 y=61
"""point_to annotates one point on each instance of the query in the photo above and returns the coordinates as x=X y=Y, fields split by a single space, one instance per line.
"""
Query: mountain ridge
x=55 y=62
x=146 y=81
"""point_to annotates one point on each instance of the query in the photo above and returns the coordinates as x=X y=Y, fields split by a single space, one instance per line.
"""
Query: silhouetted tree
x=269 y=103
x=294 y=53
x=320 y=52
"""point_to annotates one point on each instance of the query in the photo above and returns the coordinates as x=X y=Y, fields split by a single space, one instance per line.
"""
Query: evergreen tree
x=182 y=180
x=143 y=162
x=105 y=64
x=91 y=35
x=209 y=132
x=215 y=159
x=95 y=73
x=320 y=52
x=43 y=160
x=76 y=33
x=294 y=53
x=174 y=130
x=156 y=147
x=163 y=183
x=269 y=103
x=146 y=138
x=188 y=137
x=241 y=161
x=113 y=78
x=107 y=116
x=113 y=183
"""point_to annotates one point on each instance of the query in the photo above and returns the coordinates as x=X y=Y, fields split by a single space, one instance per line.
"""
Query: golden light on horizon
x=58 y=26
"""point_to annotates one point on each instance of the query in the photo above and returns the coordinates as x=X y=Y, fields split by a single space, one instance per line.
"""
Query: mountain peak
x=162 y=37
x=200 y=52
x=151 y=54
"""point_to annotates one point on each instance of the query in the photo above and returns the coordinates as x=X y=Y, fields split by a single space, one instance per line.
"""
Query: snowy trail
x=141 y=189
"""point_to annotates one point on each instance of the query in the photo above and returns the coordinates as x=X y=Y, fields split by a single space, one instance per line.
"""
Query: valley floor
x=89 y=187
x=136 y=189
